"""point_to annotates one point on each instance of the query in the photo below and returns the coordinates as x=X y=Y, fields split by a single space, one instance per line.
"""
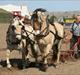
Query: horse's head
x=16 y=28
x=38 y=18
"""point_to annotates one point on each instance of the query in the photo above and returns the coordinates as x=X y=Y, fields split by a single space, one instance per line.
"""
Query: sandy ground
x=69 y=68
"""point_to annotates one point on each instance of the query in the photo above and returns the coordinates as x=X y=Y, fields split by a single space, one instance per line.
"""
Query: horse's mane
x=34 y=16
x=39 y=9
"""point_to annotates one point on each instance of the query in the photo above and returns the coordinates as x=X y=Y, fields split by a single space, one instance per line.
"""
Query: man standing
x=75 y=29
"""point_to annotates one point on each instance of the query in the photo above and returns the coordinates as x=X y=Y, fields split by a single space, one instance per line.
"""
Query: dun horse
x=46 y=35
x=18 y=39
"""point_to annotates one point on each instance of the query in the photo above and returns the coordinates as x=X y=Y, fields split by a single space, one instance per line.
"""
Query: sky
x=50 y=5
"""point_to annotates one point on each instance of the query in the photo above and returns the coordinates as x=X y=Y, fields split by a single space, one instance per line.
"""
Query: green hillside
x=5 y=16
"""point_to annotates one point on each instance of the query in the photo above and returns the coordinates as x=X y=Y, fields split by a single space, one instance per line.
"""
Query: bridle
x=46 y=29
x=40 y=22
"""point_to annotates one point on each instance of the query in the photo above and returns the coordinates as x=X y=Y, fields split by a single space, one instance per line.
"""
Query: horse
x=46 y=35
x=18 y=38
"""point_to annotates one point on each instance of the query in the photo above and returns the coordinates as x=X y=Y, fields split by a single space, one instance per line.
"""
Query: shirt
x=76 y=29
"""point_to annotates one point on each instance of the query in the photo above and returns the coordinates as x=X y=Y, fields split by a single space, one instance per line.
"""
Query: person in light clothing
x=75 y=29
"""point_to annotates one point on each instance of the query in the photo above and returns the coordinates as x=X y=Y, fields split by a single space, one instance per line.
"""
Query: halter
x=46 y=29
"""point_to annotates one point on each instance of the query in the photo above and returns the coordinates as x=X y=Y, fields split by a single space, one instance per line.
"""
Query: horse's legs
x=7 y=58
x=23 y=53
x=44 y=56
x=23 y=59
x=58 y=57
x=27 y=54
x=35 y=50
x=59 y=51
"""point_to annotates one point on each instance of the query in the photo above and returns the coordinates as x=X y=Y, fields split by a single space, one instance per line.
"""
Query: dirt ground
x=68 y=68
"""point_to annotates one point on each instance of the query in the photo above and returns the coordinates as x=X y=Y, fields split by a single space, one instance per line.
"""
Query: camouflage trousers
x=74 y=40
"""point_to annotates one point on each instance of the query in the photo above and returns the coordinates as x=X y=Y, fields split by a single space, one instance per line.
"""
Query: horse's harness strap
x=56 y=34
x=46 y=33
x=18 y=34
x=46 y=28
x=55 y=29
x=29 y=39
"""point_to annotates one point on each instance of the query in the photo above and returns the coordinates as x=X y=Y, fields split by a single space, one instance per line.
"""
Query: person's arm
x=71 y=30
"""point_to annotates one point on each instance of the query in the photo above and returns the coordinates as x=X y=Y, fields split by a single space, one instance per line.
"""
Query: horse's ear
x=47 y=16
x=33 y=15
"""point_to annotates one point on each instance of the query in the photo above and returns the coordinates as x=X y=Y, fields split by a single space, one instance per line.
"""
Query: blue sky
x=50 y=5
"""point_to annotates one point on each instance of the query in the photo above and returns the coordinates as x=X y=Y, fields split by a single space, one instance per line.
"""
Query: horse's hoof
x=27 y=61
x=1 y=66
x=44 y=68
x=24 y=67
x=27 y=65
x=8 y=66
x=54 y=65
x=58 y=63
x=37 y=65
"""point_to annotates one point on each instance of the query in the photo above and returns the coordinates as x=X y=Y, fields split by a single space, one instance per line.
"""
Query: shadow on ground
x=18 y=63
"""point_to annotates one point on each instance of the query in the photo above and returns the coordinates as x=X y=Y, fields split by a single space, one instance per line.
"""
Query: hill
x=5 y=16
